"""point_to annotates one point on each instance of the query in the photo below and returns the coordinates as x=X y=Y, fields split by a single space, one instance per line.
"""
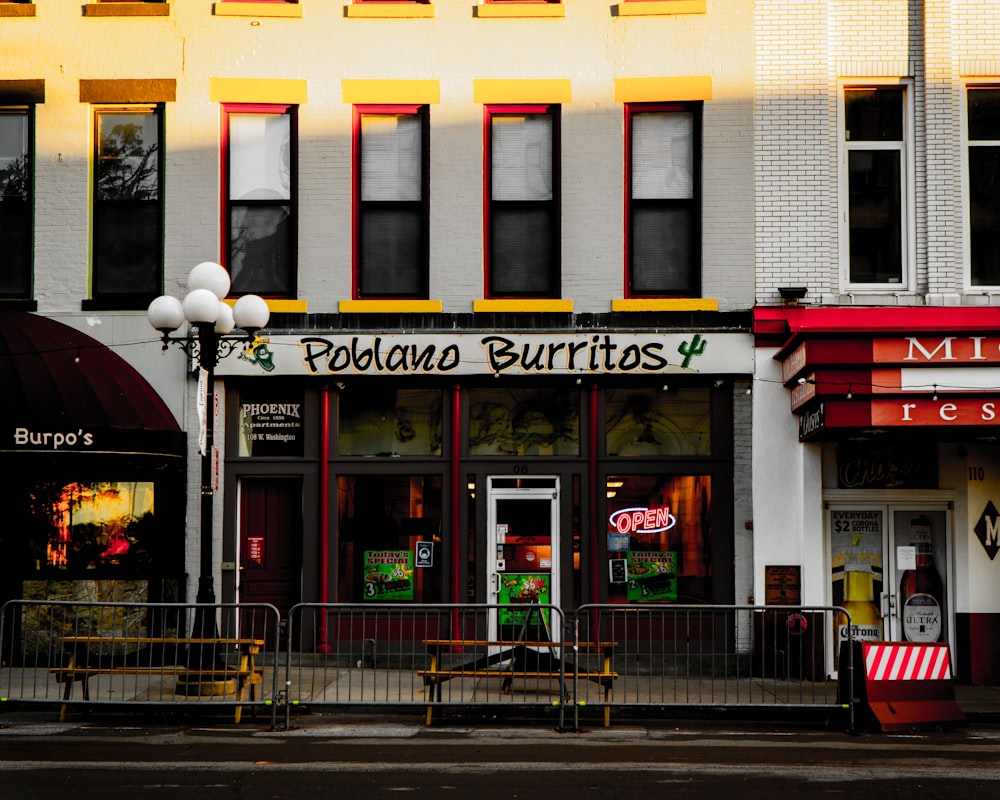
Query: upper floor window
x=128 y=204
x=391 y=220
x=15 y=203
x=875 y=140
x=522 y=210
x=984 y=185
x=663 y=240
x=260 y=208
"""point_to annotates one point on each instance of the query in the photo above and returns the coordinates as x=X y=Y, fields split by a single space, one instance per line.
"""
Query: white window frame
x=907 y=172
x=967 y=144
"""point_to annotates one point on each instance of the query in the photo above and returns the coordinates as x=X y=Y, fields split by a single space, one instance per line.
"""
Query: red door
x=270 y=542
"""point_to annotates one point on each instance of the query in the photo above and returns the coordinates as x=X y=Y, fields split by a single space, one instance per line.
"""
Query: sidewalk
x=979 y=702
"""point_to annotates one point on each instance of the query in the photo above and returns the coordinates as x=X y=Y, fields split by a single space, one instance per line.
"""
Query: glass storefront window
x=524 y=422
x=384 y=524
x=659 y=530
x=658 y=422
x=77 y=528
x=377 y=421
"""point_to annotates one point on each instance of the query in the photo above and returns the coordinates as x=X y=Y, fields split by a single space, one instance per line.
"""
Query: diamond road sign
x=988 y=529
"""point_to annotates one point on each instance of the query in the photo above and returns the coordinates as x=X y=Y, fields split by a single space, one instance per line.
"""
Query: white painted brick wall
x=590 y=47
x=804 y=51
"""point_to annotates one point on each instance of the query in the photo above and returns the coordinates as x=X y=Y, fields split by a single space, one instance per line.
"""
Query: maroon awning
x=62 y=389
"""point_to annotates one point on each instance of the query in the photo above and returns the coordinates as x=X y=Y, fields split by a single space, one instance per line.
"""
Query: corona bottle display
x=859 y=602
x=921 y=592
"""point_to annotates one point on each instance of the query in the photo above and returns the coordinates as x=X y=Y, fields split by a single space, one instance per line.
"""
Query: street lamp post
x=214 y=322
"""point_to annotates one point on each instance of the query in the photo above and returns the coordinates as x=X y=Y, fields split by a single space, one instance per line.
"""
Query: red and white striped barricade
x=908 y=685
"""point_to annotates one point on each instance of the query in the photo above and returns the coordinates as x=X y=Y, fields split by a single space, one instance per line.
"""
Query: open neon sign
x=642 y=520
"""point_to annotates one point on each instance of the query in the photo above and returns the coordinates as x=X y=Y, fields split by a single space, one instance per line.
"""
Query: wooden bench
x=245 y=674
x=515 y=654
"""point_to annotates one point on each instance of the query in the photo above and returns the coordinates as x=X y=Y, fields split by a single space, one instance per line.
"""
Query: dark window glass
x=984 y=186
x=874 y=115
x=392 y=251
x=15 y=203
x=875 y=216
x=389 y=422
x=259 y=249
x=521 y=246
x=380 y=520
x=128 y=209
x=984 y=114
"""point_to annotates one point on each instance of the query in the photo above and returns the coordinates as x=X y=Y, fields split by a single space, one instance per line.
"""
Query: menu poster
x=652 y=576
x=388 y=575
x=518 y=592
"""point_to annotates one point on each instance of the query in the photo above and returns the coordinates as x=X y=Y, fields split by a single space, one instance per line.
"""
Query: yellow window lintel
x=279 y=306
x=288 y=10
x=674 y=88
x=512 y=10
x=361 y=92
x=523 y=305
x=390 y=11
x=665 y=304
x=137 y=9
x=258 y=90
x=655 y=8
x=390 y=306
x=493 y=90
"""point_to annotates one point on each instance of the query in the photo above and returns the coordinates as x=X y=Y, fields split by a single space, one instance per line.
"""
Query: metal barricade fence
x=167 y=655
x=432 y=655
x=718 y=656
x=597 y=658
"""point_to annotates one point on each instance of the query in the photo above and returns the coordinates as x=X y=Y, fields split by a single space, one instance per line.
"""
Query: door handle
x=888 y=604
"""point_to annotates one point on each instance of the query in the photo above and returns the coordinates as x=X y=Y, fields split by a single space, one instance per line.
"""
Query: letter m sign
x=988 y=529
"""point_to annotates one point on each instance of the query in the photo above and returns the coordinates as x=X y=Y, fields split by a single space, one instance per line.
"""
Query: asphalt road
x=328 y=758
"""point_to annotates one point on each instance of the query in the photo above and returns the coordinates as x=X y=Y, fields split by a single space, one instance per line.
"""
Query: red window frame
x=422 y=112
x=225 y=204
x=554 y=204
x=695 y=203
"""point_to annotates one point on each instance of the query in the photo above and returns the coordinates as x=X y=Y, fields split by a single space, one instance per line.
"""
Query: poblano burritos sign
x=497 y=354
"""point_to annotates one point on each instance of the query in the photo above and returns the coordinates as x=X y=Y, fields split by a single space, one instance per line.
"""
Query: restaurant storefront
x=94 y=467
x=897 y=479
x=562 y=468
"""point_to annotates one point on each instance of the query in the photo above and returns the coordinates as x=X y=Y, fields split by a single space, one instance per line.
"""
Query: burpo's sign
x=500 y=354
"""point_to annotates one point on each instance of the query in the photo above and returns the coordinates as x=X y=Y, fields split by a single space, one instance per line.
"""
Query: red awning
x=56 y=380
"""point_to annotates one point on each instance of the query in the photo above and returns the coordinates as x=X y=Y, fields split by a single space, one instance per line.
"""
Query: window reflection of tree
x=654 y=423
x=523 y=422
x=128 y=168
x=403 y=422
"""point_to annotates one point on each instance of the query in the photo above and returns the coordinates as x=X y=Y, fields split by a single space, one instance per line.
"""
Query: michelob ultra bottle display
x=859 y=602
x=921 y=592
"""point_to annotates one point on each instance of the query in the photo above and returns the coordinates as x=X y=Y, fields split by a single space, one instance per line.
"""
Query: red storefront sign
x=929 y=412
x=936 y=349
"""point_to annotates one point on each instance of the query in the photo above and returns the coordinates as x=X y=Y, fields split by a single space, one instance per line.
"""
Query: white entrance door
x=890 y=567
x=522 y=523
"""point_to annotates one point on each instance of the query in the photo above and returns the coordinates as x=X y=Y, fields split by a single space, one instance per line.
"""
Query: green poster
x=652 y=576
x=520 y=591
x=388 y=575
